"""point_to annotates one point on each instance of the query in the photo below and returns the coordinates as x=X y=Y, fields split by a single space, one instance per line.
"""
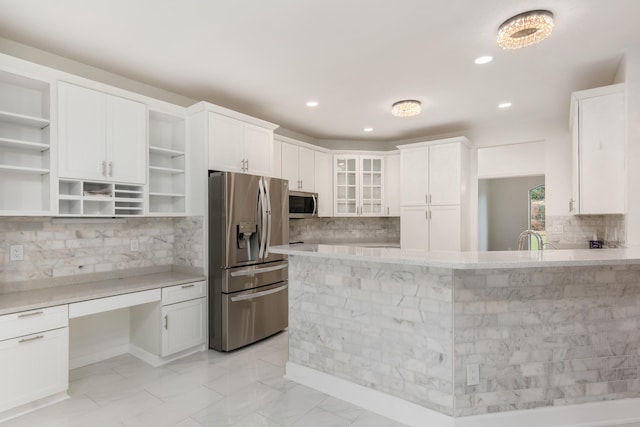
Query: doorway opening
x=537 y=215
x=507 y=207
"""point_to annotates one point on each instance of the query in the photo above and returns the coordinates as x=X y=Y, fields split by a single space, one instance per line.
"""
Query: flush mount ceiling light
x=406 y=108
x=311 y=103
x=525 y=29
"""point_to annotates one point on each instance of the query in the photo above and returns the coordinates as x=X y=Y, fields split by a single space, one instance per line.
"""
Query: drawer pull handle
x=37 y=337
x=33 y=313
x=187 y=286
x=166 y=321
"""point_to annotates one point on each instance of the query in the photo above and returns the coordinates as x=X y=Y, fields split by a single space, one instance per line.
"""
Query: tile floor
x=244 y=388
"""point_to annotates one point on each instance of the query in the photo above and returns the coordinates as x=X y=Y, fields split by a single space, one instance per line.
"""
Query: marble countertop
x=467 y=260
x=12 y=302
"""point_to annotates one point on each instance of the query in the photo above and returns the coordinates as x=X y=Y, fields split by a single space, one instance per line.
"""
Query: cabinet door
x=306 y=166
x=345 y=185
x=82 y=133
x=258 y=150
x=414 y=176
x=602 y=171
x=183 y=326
x=371 y=185
x=290 y=165
x=226 y=146
x=126 y=140
x=444 y=174
x=33 y=367
x=445 y=228
x=323 y=183
x=414 y=228
x=392 y=184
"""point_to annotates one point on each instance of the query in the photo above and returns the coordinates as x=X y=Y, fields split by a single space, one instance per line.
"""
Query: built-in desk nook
x=157 y=316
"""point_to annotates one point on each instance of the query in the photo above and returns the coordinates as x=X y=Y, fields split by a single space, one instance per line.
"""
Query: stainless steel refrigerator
x=248 y=298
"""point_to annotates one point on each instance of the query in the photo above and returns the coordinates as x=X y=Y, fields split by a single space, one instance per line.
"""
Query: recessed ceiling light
x=505 y=105
x=483 y=60
x=312 y=103
x=368 y=129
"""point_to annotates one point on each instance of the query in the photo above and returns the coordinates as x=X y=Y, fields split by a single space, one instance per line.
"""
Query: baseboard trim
x=80 y=361
x=155 y=360
x=33 y=406
x=372 y=400
x=596 y=414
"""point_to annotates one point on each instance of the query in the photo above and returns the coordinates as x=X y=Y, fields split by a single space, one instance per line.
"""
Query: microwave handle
x=315 y=206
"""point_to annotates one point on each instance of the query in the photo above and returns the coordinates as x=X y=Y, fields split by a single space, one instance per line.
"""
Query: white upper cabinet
x=298 y=166
x=392 y=184
x=101 y=137
x=433 y=174
x=237 y=146
x=358 y=185
x=324 y=183
x=598 y=136
x=414 y=177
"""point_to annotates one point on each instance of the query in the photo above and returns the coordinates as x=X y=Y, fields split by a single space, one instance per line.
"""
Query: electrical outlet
x=134 y=245
x=473 y=374
x=16 y=252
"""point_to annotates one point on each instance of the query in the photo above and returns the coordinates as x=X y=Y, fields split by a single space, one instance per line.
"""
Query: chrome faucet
x=523 y=239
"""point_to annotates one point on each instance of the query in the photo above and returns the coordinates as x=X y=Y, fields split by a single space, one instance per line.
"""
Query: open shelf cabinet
x=166 y=164
x=87 y=198
x=25 y=159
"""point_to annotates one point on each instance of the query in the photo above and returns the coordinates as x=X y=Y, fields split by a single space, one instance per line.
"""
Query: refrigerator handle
x=268 y=241
x=263 y=212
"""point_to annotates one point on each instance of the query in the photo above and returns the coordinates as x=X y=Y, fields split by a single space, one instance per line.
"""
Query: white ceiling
x=355 y=57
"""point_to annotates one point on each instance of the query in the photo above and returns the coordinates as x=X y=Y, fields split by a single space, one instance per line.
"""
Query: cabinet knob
x=104 y=167
x=110 y=168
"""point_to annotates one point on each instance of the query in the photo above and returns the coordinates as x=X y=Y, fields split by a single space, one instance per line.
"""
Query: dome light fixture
x=525 y=29
x=406 y=108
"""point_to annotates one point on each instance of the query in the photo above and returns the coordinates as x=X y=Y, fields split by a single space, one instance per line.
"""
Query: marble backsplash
x=575 y=231
x=338 y=230
x=56 y=247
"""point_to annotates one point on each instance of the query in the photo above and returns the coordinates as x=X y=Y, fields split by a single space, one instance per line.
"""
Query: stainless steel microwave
x=303 y=204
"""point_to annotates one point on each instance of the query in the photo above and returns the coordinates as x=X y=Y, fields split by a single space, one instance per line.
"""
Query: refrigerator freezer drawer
x=254 y=276
x=253 y=315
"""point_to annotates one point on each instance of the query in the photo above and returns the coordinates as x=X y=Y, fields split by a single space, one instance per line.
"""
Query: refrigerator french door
x=248 y=298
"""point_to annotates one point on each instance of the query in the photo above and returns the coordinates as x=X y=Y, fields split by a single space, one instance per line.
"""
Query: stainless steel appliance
x=248 y=298
x=303 y=204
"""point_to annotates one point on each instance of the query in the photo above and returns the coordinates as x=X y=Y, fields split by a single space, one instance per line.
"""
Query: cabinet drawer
x=33 y=367
x=32 y=321
x=188 y=291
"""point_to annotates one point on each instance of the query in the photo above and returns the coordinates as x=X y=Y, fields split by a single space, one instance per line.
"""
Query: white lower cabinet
x=183 y=326
x=34 y=362
x=177 y=324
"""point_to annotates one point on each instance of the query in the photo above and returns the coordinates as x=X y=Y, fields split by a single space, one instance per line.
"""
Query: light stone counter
x=548 y=330
x=466 y=260
x=12 y=302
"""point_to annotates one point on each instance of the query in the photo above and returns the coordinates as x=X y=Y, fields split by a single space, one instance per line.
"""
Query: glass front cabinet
x=359 y=181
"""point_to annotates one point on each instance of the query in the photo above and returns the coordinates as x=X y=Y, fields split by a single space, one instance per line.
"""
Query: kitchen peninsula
x=404 y=333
